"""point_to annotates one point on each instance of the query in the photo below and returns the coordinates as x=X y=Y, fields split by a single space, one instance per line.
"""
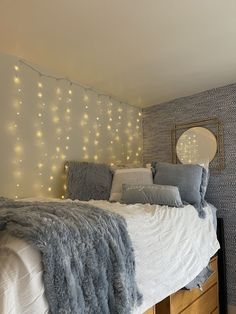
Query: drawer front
x=150 y=311
x=207 y=303
x=183 y=298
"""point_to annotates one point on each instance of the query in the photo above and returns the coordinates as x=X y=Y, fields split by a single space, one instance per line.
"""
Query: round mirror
x=197 y=145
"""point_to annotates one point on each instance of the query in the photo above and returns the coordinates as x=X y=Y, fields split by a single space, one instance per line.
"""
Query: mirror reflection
x=197 y=145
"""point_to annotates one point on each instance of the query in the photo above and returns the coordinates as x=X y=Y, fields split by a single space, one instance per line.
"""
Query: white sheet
x=171 y=245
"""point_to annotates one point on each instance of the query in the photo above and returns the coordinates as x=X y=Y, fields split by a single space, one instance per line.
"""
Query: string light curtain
x=65 y=121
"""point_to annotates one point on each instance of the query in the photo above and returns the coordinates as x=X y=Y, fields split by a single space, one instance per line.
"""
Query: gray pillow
x=151 y=194
x=128 y=176
x=190 y=179
x=86 y=181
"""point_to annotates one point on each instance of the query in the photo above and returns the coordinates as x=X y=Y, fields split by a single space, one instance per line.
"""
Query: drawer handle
x=201 y=287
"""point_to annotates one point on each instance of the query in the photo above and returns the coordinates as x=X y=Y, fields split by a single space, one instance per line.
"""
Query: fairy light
x=16 y=80
x=121 y=124
x=39 y=134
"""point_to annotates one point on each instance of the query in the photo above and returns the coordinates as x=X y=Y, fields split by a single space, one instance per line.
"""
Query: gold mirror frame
x=213 y=125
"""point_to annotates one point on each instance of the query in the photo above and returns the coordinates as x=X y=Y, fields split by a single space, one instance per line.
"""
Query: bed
x=171 y=247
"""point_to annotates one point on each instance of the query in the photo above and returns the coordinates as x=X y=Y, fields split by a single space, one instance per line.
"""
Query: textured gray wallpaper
x=158 y=121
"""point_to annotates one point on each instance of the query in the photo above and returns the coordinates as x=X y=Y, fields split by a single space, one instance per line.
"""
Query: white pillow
x=129 y=176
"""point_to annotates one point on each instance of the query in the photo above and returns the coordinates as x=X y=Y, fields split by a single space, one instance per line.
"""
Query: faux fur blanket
x=87 y=254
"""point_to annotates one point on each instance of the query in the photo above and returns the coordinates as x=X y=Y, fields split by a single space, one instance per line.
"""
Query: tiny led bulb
x=18 y=149
x=40 y=165
x=97 y=118
x=68 y=110
x=70 y=91
x=95 y=157
x=40 y=84
x=85 y=116
x=67 y=138
x=51 y=177
x=56 y=119
x=40 y=115
x=16 y=68
x=97 y=134
x=84 y=148
x=140 y=114
x=58 y=149
x=49 y=189
x=62 y=196
x=67 y=147
x=40 y=95
x=39 y=134
x=16 y=80
x=95 y=142
x=108 y=127
x=129 y=124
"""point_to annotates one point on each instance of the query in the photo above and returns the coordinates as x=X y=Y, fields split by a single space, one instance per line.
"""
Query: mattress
x=171 y=246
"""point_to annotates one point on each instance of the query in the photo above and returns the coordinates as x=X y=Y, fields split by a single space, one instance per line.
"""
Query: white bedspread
x=172 y=246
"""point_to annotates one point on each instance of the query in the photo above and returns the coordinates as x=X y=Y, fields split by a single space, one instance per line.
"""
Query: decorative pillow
x=86 y=181
x=151 y=194
x=190 y=179
x=129 y=176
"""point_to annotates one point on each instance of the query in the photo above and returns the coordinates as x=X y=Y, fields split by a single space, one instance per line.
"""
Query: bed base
x=194 y=301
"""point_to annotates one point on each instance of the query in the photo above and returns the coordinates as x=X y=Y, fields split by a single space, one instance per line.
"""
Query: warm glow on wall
x=68 y=122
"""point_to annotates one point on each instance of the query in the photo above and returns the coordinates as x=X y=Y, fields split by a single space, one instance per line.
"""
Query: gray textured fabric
x=200 y=279
x=128 y=176
x=87 y=254
x=151 y=194
x=188 y=178
x=86 y=181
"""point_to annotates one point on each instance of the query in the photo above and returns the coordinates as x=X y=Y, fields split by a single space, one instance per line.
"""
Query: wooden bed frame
x=194 y=301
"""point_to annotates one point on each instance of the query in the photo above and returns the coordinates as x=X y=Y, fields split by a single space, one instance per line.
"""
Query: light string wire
x=71 y=82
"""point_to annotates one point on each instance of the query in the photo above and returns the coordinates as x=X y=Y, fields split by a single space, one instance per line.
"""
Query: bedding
x=151 y=194
x=86 y=251
x=190 y=179
x=128 y=176
x=171 y=247
x=87 y=180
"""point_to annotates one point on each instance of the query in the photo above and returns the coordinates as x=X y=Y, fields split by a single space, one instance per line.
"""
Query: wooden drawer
x=207 y=303
x=194 y=301
x=183 y=298
x=151 y=311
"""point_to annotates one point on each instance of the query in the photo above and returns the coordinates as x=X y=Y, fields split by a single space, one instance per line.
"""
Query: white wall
x=44 y=125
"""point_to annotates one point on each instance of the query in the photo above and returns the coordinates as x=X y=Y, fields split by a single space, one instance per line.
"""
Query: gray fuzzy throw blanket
x=87 y=254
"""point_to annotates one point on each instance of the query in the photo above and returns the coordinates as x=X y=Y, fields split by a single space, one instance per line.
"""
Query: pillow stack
x=163 y=184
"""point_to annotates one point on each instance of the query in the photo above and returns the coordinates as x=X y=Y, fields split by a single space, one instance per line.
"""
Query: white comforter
x=172 y=246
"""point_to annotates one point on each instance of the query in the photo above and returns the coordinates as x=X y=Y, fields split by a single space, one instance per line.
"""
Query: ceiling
x=142 y=52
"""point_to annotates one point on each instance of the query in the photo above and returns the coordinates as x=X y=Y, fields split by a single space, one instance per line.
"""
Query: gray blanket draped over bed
x=87 y=254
